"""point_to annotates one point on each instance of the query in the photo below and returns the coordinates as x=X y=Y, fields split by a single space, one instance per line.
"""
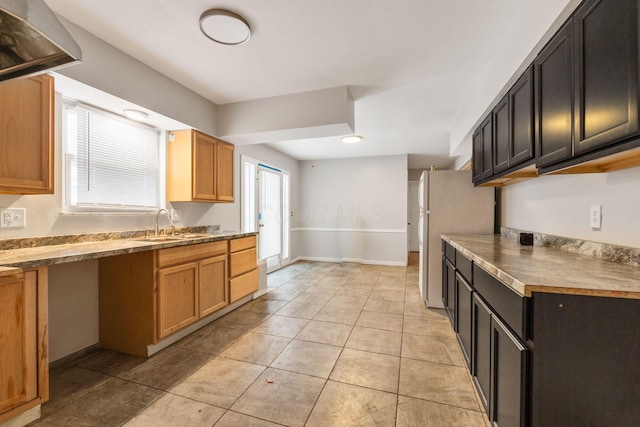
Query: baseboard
x=353 y=260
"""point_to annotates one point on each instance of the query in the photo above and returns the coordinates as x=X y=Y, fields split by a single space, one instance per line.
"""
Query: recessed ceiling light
x=351 y=139
x=135 y=114
x=225 y=27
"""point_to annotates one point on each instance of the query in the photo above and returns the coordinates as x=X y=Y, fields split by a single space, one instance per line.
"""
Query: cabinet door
x=501 y=135
x=451 y=293
x=606 y=73
x=509 y=369
x=177 y=298
x=18 y=335
x=463 y=309
x=26 y=136
x=204 y=160
x=481 y=349
x=521 y=119
x=554 y=93
x=224 y=171
x=477 y=155
x=212 y=285
x=486 y=128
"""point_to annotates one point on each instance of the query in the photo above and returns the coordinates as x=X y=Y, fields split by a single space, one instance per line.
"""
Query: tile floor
x=328 y=345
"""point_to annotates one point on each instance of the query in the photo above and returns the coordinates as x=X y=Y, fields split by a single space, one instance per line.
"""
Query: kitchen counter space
x=528 y=269
x=71 y=252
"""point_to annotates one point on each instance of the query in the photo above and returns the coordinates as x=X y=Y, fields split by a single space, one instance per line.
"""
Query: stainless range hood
x=32 y=39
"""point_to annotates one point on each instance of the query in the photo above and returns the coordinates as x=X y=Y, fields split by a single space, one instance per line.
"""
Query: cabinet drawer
x=241 y=244
x=241 y=262
x=509 y=306
x=464 y=266
x=450 y=252
x=243 y=285
x=182 y=254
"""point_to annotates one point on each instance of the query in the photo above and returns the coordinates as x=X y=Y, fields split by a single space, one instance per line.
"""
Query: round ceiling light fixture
x=352 y=139
x=135 y=114
x=224 y=27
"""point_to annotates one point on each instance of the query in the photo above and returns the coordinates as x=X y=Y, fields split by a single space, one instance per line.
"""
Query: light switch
x=596 y=217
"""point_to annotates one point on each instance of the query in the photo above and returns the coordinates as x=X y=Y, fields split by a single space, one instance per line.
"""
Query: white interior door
x=414 y=217
x=270 y=217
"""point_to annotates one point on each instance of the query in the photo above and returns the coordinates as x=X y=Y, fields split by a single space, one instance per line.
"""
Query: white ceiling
x=409 y=64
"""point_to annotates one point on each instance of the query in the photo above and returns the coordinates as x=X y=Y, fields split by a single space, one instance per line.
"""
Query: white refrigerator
x=449 y=204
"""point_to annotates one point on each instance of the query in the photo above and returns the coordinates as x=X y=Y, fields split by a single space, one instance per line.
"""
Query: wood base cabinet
x=24 y=355
x=243 y=267
x=147 y=296
x=26 y=135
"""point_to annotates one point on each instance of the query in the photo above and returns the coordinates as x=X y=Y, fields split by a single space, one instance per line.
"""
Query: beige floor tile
x=419 y=310
x=256 y=348
x=416 y=412
x=310 y=296
x=382 y=306
x=302 y=311
x=211 y=339
x=281 y=294
x=244 y=320
x=325 y=333
x=347 y=302
x=345 y=405
x=444 y=350
x=234 y=419
x=428 y=326
x=171 y=410
x=338 y=315
x=372 y=370
x=263 y=306
x=354 y=291
x=375 y=340
x=220 y=382
x=310 y=358
x=437 y=383
x=281 y=326
x=387 y=294
x=385 y=321
x=281 y=397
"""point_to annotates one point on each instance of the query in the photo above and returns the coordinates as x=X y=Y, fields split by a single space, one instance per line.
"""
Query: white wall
x=559 y=205
x=353 y=210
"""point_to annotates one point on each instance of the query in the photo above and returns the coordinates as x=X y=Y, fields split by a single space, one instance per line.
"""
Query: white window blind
x=111 y=163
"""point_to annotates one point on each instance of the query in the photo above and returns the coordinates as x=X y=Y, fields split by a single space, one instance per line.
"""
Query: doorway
x=265 y=209
x=412 y=224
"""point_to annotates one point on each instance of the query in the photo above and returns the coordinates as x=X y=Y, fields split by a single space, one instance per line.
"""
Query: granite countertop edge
x=529 y=269
x=11 y=260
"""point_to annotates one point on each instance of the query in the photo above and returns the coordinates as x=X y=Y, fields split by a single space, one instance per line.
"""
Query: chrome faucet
x=155 y=232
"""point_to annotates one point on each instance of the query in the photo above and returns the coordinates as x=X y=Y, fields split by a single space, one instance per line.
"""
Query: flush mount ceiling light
x=135 y=114
x=224 y=27
x=351 y=139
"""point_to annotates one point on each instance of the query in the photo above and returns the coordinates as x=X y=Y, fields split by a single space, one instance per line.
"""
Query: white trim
x=351 y=230
x=354 y=260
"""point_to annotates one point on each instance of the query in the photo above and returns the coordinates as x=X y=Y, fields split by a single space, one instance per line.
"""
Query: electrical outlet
x=13 y=217
x=176 y=214
x=596 y=217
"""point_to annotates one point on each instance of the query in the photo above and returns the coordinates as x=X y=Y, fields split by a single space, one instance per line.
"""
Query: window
x=111 y=163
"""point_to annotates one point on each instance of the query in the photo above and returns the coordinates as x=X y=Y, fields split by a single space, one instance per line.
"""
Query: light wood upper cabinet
x=199 y=168
x=24 y=359
x=26 y=135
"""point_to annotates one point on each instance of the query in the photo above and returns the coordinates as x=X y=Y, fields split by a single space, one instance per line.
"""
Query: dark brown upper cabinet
x=554 y=99
x=521 y=119
x=482 y=150
x=501 y=135
x=606 y=73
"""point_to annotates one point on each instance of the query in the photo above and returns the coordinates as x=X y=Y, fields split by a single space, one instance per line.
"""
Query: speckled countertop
x=36 y=256
x=528 y=269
